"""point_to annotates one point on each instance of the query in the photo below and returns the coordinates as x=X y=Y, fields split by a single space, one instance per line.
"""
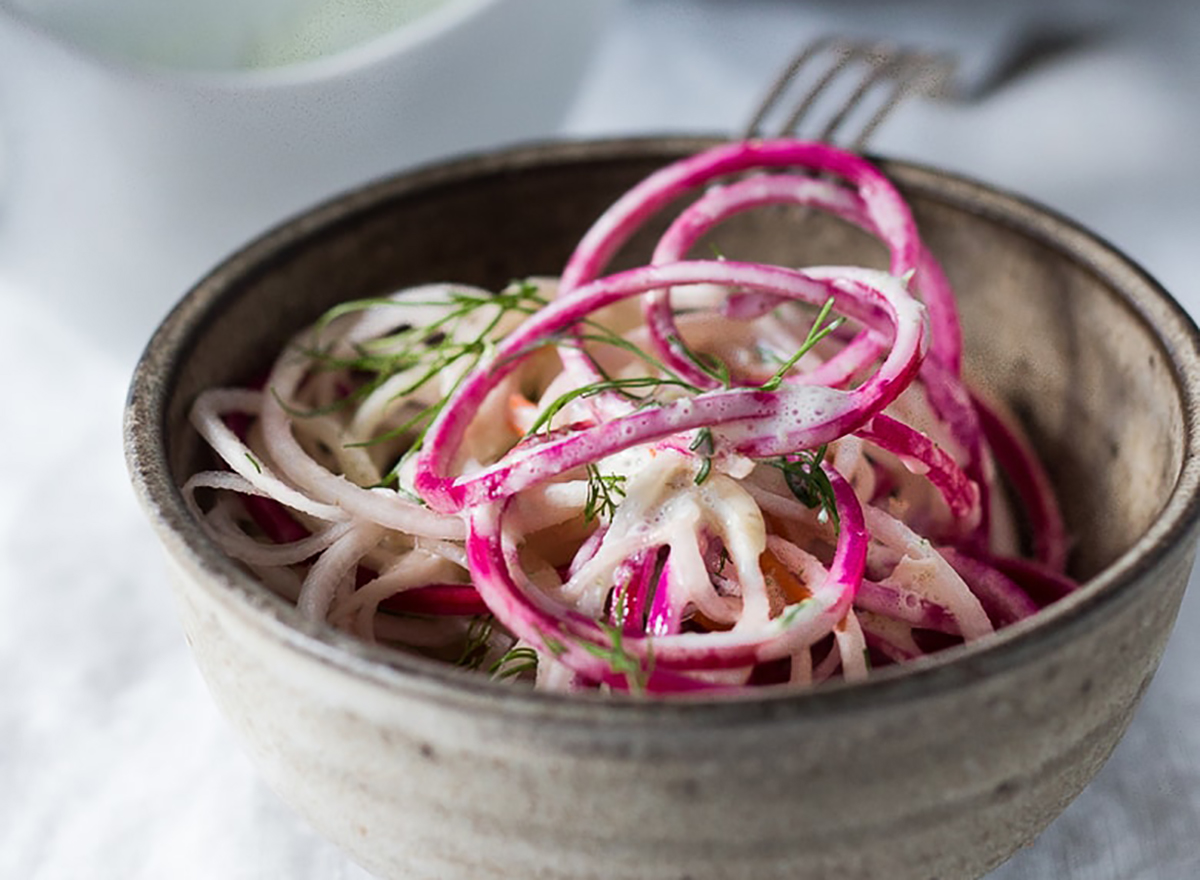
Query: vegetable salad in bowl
x=697 y=474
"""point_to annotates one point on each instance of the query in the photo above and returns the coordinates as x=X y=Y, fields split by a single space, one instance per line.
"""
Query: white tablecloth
x=113 y=761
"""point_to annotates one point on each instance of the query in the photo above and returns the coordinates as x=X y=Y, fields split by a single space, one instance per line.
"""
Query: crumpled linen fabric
x=114 y=763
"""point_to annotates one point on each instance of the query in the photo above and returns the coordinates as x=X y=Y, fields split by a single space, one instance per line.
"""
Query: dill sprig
x=808 y=482
x=625 y=386
x=515 y=661
x=708 y=363
x=603 y=335
x=475 y=648
x=428 y=350
x=520 y=295
x=705 y=446
x=435 y=345
x=604 y=492
x=620 y=660
x=818 y=331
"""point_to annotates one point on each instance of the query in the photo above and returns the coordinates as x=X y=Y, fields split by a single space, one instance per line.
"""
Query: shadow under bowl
x=939 y=769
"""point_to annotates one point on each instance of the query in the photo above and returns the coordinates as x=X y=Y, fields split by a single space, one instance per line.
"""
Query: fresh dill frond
x=475 y=648
x=705 y=446
x=516 y=661
x=603 y=335
x=708 y=363
x=620 y=660
x=429 y=352
x=356 y=394
x=604 y=493
x=818 y=331
x=625 y=386
x=808 y=482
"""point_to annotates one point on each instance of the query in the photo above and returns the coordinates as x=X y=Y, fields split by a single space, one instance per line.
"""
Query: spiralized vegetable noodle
x=692 y=475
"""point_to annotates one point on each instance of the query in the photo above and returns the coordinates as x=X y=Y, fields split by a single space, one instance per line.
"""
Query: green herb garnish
x=620 y=660
x=475 y=648
x=808 y=482
x=818 y=331
x=427 y=350
x=604 y=492
x=515 y=662
x=705 y=446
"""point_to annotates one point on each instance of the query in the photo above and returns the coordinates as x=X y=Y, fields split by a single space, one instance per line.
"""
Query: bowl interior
x=1057 y=325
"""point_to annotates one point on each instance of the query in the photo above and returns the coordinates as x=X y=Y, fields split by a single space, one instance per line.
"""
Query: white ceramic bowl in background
x=122 y=179
x=940 y=769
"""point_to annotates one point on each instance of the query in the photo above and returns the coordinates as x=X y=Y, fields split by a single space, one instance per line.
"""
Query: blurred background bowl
x=141 y=142
x=940 y=769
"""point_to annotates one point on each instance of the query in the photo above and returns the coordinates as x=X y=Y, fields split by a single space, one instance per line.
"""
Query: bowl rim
x=161 y=363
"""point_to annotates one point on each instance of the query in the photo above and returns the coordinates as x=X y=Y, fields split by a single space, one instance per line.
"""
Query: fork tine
x=881 y=63
x=895 y=71
x=785 y=79
x=908 y=73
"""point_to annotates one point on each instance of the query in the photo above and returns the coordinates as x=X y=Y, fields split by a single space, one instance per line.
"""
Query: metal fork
x=859 y=81
x=851 y=81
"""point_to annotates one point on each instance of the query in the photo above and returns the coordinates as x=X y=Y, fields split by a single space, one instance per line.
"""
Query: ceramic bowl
x=941 y=769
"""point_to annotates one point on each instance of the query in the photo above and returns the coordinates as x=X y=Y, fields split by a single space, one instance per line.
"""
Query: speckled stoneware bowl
x=941 y=770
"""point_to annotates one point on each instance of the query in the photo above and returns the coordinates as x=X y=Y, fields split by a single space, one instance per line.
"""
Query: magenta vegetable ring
x=753 y=421
x=646 y=656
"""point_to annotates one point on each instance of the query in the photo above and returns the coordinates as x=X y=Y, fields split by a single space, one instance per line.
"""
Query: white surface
x=113 y=762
